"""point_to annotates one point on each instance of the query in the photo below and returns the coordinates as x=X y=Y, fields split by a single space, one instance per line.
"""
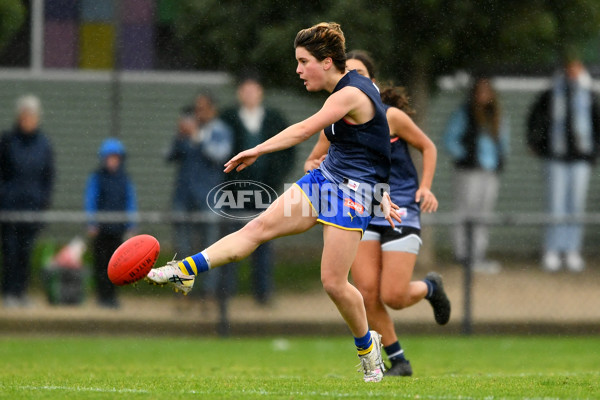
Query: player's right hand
x=390 y=210
x=242 y=160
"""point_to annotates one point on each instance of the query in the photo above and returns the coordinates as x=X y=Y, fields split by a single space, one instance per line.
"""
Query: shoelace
x=162 y=273
x=366 y=365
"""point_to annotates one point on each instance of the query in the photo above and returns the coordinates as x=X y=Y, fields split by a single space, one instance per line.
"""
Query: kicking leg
x=289 y=214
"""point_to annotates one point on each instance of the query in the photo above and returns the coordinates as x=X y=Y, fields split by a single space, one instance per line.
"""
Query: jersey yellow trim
x=362 y=232
x=307 y=198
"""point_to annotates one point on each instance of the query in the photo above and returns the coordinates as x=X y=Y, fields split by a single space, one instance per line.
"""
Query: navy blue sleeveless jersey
x=360 y=152
x=404 y=183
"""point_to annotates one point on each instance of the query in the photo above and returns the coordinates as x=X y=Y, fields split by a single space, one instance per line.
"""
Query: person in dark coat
x=26 y=181
x=563 y=129
x=253 y=123
x=199 y=148
x=109 y=189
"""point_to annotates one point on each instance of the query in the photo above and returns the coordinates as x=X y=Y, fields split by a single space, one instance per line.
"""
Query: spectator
x=109 y=188
x=253 y=123
x=564 y=130
x=477 y=138
x=26 y=180
x=201 y=146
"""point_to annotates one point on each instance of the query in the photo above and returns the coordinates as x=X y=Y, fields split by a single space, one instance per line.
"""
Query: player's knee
x=395 y=300
x=255 y=229
x=332 y=285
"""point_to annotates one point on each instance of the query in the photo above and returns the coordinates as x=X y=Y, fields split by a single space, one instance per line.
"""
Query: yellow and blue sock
x=364 y=344
x=195 y=264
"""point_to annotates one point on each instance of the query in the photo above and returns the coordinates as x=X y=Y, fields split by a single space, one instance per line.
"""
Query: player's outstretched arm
x=335 y=108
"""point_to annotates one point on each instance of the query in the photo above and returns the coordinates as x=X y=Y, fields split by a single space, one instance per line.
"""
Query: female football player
x=338 y=195
x=386 y=257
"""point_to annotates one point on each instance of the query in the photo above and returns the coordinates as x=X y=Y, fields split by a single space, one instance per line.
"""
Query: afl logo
x=240 y=199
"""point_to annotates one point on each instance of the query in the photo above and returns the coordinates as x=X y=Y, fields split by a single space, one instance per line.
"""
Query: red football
x=133 y=259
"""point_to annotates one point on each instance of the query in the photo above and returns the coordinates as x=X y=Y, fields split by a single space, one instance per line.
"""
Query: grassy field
x=295 y=368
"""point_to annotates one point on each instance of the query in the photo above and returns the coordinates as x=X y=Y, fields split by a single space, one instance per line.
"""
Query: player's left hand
x=426 y=200
x=242 y=160
x=389 y=209
x=314 y=164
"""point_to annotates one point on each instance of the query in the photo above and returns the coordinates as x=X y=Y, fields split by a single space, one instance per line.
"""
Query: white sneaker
x=552 y=262
x=371 y=364
x=574 y=262
x=171 y=274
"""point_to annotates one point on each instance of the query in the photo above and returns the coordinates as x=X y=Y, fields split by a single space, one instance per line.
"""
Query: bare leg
x=366 y=274
x=397 y=290
x=286 y=216
x=339 y=250
x=384 y=278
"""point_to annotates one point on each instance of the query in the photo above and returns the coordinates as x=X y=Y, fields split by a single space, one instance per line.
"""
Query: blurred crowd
x=203 y=140
x=563 y=129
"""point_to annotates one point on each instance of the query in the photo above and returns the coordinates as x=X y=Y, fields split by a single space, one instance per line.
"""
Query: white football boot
x=171 y=274
x=371 y=364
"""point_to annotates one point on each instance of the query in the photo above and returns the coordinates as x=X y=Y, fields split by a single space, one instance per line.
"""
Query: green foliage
x=491 y=34
x=294 y=368
x=409 y=38
x=233 y=35
x=12 y=16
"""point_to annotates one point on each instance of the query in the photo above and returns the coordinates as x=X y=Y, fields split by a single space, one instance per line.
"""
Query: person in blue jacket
x=26 y=181
x=109 y=189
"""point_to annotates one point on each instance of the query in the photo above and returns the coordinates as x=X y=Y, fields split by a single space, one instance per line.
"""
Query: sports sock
x=431 y=286
x=394 y=352
x=364 y=344
x=195 y=264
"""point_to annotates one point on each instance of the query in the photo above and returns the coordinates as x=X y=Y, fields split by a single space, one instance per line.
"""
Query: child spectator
x=109 y=189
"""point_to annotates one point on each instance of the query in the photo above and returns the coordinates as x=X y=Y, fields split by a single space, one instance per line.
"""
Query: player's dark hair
x=323 y=40
x=365 y=58
x=396 y=96
x=391 y=95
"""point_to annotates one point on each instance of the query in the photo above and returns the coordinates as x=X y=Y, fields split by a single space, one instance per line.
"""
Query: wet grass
x=294 y=368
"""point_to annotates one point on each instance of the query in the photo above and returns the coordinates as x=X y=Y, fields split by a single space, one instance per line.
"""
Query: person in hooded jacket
x=26 y=181
x=109 y=189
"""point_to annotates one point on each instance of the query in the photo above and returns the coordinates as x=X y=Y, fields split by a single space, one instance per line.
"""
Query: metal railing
x=439 y=219
x=496 y=219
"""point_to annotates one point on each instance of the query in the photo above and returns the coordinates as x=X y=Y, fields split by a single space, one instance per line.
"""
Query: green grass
x=295 y=368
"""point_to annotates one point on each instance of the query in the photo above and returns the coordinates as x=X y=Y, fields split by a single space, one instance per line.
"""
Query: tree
x=428 y=38
x=414 y=41
x=234 y=35
x=12 y=16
